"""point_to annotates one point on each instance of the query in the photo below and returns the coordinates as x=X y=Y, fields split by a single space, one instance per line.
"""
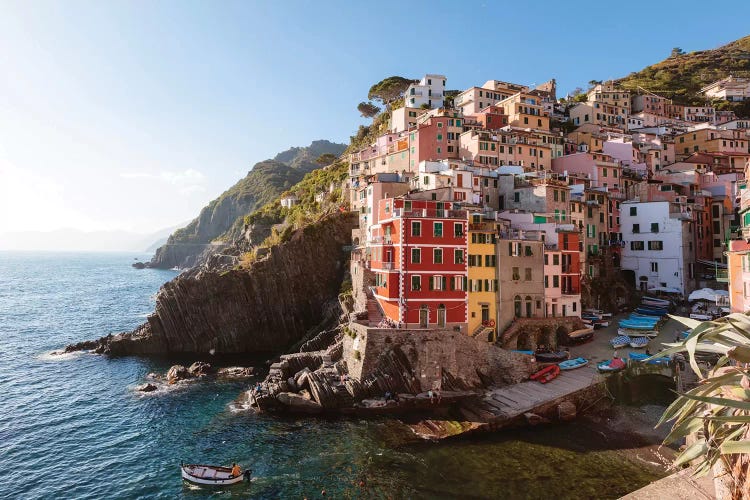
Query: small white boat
x=210 y=474
x=637 y=333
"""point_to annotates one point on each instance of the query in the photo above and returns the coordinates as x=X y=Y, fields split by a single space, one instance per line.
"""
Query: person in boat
x=248 y=473
x=236 y=470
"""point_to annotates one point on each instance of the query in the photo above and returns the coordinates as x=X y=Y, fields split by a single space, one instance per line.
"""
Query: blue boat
x=636 y=326
x=651 y=311
x=620 y=341
x=639 y=356
x=639 y=342
x=646 y=321
x=530 y=353
x=644 y=316
x=572 y=364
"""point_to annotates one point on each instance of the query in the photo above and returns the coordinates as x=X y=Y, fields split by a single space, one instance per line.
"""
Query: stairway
x=374 y=315
x=482 y=332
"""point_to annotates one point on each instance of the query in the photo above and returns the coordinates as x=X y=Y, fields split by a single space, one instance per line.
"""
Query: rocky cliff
x=192 y=244
x=265 y=308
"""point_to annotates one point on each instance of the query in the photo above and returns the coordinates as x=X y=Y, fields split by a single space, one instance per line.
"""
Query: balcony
x=430 y=213
x=387 y=266
x=571 y=291
x=722 y=275
x=482 y=226
x=745 y=233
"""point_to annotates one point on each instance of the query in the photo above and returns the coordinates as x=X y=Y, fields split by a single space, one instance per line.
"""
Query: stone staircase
x=482 y=332
x=374 y=314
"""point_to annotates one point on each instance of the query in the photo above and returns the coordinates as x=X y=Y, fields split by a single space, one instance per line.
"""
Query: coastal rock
x=139 y=265
x=146 y=388
x=265 y=308
x=235 y=372
x=199 y=369
x=566 y=411
x=176 y=373
x=298 y=403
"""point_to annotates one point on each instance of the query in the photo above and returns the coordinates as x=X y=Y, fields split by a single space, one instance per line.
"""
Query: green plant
x=357 y=356
x=718 y=410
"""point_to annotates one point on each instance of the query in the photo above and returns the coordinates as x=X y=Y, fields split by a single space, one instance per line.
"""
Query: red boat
x=546 y=374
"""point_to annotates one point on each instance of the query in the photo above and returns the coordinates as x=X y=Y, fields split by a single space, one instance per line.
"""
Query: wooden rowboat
x=210 y=474
x=581 y=336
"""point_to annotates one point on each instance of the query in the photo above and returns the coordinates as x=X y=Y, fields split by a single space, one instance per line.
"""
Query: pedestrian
x=431 y=395
x=439 y=395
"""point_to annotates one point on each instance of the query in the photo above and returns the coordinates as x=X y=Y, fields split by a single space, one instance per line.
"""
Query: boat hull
x=572 y=364
x=193 y=474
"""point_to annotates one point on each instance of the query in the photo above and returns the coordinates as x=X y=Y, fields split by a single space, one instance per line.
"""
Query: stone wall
x=434 y=356
x=530 y=333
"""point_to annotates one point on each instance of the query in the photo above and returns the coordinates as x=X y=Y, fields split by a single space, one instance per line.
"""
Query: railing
x=430 y=213
x=722 y=275
x=571 y=291
x=388 y=266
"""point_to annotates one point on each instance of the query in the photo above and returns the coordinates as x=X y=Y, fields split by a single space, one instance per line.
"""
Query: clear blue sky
x=134 y=115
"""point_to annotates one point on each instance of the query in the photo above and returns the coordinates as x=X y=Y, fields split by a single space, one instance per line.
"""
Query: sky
x=132 y=116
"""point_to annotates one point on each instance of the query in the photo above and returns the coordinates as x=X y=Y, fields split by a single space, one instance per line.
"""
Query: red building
x=418 y=255
x=568 y=243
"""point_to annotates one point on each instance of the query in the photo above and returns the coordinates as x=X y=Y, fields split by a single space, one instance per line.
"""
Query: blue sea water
x=72 y=426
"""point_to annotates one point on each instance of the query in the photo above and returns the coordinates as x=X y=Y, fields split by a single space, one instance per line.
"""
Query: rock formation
x=265 y=308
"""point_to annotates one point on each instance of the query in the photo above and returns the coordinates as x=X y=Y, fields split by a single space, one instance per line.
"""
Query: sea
x=73 y=426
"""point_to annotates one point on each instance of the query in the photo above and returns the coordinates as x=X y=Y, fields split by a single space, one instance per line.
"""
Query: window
x=426 y=180
x=416 y=255
x=633 y=210
x=555 y=195
x=656 y=245
x=437 y=256
x=490 y=260
x=636 y=245
x=636 y=228
x=458 y=229
x=438 y=282
x=556 y=281
x=514 y=249
x=416 y=282
x=546 y=282
x=458 y=256
x=527 y=251
x=556 y=259
x=516 y=274
x=416 y=228
x=527 y=274
x=438 y=229
x=654 y=227
x=654 y=267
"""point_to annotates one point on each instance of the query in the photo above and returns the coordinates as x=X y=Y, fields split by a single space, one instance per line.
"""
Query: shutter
x=445 y=283
x=464 y=280
x=432 y=283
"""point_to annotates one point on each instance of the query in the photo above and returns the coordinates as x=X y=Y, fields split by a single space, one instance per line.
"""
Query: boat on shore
x=572 y=364
x=620 y=341
x=581 y=336
x=551 y=356
x=639 y=342
x=638 y=333
x=611 y=365
x=546 y=374
x=641 y=357
x=213 y=475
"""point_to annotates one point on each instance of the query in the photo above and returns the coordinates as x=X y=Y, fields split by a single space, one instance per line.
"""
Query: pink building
x=602 y=170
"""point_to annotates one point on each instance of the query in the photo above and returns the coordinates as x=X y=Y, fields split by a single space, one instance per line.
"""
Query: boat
x=546 y=374
x=572 y=364
x=651 y=311
x=597 y=312
x=210 y=474
x=637 y=326
x=639 y=342
x=641 y=356
x=656 y=301
x=581 y=336
x=638 y=333
x=520 y=351
x=551 y=356
x=645 y=316
x=611 y=365
x=620 y=341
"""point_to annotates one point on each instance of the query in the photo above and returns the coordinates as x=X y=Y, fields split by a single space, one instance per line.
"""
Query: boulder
x=566 y=411
x=300 y=378
x=154 y=376
x=235 y=372
x=199 y=369
x=292 y=384
x=296 y=403
x=534 y=419
x=176 y=373
x=146 y=388
x=139 y=265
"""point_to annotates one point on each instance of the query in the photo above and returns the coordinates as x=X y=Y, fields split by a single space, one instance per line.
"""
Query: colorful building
x=418 y=255
x=482 y=274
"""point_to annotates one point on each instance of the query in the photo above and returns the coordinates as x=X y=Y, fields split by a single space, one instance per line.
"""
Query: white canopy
x=708 y=294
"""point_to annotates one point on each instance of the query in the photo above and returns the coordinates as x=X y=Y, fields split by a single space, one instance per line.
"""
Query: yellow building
x=482 y=278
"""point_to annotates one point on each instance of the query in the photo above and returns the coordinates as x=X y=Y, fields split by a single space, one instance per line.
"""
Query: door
x=485 y=314
x=423 y=316
x=565 y=310
x=441 y=315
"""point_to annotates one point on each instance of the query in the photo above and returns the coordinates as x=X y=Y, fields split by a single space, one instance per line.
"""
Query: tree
x=367 y=109
x=594 y=83
x=717 y=411
x=677 y=52
x=325 y=159
x=389 y=89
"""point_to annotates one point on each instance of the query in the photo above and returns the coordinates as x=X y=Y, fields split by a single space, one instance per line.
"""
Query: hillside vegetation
x=681 y=76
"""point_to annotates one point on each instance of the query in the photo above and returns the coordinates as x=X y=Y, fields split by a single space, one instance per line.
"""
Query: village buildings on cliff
x=482 y=211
